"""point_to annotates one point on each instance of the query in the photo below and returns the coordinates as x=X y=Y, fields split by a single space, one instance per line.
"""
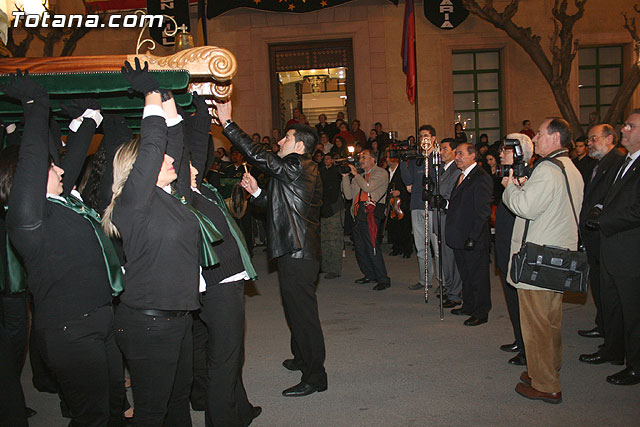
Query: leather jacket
x=292 y=198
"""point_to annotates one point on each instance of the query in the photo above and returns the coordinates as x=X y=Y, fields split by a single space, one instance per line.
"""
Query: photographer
x=504 y=228
x=544 y=201
x=368 y=189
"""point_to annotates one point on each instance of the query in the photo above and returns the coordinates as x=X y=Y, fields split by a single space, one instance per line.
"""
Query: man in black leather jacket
x=292 y=200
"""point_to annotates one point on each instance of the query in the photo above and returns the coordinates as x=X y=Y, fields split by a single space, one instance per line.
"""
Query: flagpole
x=416 y=110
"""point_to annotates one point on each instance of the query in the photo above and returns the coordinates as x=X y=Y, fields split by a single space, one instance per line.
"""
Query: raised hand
x=22 y=87
x=139 y=78
x=76 y=107
x=202 y=108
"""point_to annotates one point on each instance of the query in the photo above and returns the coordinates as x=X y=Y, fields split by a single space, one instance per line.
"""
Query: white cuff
x=257 y=193
x=174 y=120
x=153 y=110
x=94 y=115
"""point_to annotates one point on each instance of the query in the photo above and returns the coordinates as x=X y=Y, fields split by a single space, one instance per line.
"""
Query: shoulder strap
x=566 y=180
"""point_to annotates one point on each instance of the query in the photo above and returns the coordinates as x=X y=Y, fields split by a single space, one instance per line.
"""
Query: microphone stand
x=436 y=165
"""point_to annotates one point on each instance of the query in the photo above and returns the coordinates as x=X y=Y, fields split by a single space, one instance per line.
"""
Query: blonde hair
x=122 y=164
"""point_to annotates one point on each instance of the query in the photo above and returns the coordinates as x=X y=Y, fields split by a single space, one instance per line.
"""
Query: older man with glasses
x=368 y=188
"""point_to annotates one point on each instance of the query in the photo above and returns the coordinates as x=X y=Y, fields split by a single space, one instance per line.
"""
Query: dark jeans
x=298 y=290
x=370 y=261
x=87 y=365
x=159 y=353
x=223 y=313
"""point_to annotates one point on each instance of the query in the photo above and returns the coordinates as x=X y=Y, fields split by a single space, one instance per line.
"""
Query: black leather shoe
x=291 y=365
x=475 y=321
x=628 y=376
x=459 y=312
x=518 y=360
x=450 y=303
x=302 y=389
x=406 y=256
x=394 y=253
x=510 y=348
x=591 y=333
x=257 y=410
x=416 y=286
x=362 y=281
x=381 y=286
x=30 y=412
x=598 y=359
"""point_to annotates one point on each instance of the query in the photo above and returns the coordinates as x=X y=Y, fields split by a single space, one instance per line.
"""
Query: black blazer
x=594 y=193
x=469 y=210
x=620 y=224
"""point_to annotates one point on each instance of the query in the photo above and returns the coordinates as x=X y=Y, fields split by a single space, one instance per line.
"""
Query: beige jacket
x=543 y=199
x=375 y=187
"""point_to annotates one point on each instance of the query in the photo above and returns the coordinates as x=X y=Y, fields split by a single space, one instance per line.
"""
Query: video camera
x=403 y=150
x=343 y=164
x=519 y=166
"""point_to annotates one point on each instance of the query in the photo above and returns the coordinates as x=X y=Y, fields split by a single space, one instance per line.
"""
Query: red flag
x=408 y=51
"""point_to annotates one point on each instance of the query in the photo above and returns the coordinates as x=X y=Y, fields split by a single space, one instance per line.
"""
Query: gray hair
x=525 y=143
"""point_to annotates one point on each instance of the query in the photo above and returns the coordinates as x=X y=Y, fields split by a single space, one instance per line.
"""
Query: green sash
x=209 y=232
x=235 y=230
x=15 y=274
x=114 y=272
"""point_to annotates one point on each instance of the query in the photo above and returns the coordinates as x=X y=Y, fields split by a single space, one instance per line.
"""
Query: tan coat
x=544 y=200
x=376 y=186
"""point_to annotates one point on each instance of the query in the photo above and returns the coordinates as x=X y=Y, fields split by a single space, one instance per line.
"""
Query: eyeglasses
x=629 y=126
x=594 y=138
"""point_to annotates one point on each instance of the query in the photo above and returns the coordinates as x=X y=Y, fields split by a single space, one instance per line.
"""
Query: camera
x=403 y=150
x=519 y=166
x=343 y=164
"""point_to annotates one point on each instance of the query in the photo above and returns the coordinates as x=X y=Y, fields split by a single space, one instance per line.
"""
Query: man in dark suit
x=602 y=140
x=399 y=230
x=619 y=253
x=467 y=232
x=449 y=174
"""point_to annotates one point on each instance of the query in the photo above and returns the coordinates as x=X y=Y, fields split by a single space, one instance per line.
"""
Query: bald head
x=601 y=139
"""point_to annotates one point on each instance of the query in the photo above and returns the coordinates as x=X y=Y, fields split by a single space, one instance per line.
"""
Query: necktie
x=235 y=230
x=15 y=274
x=114 y=272
x=595 y=170
x=209 y=232
x=460 y=179
x=622 y=168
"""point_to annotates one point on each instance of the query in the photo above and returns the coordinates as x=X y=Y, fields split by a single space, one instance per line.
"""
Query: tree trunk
x=623 y=95
x=566 y=109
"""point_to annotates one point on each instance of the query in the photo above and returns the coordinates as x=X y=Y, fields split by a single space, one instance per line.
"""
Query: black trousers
x=199 y=383
x=223 y=313
x=12 y=406
x=620 y=301
x=399 y=232
x=87 y=365
x=513 y=307
x=159 y=353
x=594 y=281
x=473 y=267
x=16 y=323
x=371 y=262
x=297 y=279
